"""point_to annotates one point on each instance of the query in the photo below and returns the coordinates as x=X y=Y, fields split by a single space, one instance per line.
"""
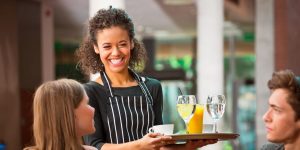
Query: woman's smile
x=117 y=61
x=114 y=49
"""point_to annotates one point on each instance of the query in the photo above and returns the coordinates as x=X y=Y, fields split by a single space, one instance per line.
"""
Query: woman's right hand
x=153 y=141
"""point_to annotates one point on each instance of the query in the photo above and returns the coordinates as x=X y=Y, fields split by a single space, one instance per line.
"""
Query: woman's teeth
x=116 y=61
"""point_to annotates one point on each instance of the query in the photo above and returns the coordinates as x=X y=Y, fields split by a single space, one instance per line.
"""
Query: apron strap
x=140 y=80
x=141 y=83
x=106 y=82
x=146 y=92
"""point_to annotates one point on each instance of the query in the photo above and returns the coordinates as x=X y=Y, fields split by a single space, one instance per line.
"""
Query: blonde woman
x=62 y=116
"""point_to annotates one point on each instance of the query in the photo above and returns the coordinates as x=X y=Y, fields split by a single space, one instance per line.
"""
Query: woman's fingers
x=167 y=141
x=210 y=141
x=161 y=140
x=154 y=135
x=193 y=144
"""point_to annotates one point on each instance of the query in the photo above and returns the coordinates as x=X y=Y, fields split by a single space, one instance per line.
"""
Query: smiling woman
x=113 y=46
x=132 y=103
x=126 y=104
x=100 y=28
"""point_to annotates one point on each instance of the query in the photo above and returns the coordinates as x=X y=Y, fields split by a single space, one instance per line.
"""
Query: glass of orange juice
x=196 y=123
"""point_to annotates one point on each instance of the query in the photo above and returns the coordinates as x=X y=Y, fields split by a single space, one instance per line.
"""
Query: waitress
x=126 y=104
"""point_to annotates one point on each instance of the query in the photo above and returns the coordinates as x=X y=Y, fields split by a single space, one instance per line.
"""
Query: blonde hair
x=54 y=119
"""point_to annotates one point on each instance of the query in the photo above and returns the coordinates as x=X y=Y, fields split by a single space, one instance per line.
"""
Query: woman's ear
x=132 y=44
x=96 y=49
x=298 y=123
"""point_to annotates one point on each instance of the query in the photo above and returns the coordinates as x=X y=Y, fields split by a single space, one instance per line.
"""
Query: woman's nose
x=115 y=50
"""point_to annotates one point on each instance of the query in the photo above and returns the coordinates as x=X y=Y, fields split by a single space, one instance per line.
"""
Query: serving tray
x=219 y=136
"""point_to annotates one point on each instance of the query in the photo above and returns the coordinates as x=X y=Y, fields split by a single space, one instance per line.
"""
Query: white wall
x=264 y=49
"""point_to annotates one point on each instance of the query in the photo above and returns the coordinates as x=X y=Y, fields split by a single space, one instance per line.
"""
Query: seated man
x=282 y=119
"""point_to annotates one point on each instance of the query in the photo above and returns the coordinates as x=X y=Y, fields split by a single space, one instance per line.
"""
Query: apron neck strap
x=106 y=82
x=135 y=76
x=143 y=87
x=139 y=79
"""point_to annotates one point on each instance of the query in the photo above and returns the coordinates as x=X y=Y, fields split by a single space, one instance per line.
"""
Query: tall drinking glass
x=186 y=106
x=215 y=106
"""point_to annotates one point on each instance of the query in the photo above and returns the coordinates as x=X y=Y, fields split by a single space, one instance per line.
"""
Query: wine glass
x=215 y=105
x=186 y=106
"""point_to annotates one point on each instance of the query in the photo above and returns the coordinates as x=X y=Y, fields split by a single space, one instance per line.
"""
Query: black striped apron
x=128 y=117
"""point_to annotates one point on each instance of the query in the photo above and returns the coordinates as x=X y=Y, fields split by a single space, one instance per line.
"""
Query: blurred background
x=200 y=46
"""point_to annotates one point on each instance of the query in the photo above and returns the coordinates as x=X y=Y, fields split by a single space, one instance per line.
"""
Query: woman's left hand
x=190 y=145
x=194 y=144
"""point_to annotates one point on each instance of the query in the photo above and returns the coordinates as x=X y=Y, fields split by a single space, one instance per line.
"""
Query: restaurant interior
x=38 y=39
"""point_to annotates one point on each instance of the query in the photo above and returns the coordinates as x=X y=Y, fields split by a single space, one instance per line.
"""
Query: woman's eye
x=106 y=47
x=123 y=44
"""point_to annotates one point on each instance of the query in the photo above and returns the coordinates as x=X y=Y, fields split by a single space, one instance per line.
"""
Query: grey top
x=272 y=146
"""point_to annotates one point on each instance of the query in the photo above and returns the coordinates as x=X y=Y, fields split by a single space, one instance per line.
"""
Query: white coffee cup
x=165 y=129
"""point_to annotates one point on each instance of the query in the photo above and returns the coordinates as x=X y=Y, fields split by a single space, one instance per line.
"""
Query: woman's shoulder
x=151 y=81
x=91 y=85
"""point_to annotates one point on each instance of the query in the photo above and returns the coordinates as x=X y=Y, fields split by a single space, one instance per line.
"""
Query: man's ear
x=96 y=49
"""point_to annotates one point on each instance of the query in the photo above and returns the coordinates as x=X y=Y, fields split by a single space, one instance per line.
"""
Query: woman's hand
x=151 y=141
x=190 y=145
x=154 y=141
x=194 y=144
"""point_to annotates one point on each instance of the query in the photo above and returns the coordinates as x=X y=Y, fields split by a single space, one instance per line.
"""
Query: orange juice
x=196 y=123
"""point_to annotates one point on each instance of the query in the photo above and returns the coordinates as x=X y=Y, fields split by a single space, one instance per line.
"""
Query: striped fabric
x=123 y=114
x=129 y=117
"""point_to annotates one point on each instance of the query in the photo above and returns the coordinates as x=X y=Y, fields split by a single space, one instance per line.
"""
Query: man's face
x=280 y=119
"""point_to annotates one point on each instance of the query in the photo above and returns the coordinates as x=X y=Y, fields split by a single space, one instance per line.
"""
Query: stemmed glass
x=215 y=105
x=186 y=106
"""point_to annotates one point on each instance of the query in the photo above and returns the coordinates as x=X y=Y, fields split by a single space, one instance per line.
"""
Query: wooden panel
x=9 y=82
x=26 y=97
x=293 y=25
x=281 y=36
x=287 y=35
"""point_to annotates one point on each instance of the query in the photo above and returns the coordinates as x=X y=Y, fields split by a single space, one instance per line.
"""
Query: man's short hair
x=286 y=79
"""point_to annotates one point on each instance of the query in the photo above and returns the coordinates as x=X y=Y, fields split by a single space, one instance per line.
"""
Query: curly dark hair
x=286 y=79
x=89 y=61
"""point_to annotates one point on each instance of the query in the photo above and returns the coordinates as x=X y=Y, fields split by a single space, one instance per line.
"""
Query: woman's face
x=114 y=45
x=280 y=119
x=84 y=117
